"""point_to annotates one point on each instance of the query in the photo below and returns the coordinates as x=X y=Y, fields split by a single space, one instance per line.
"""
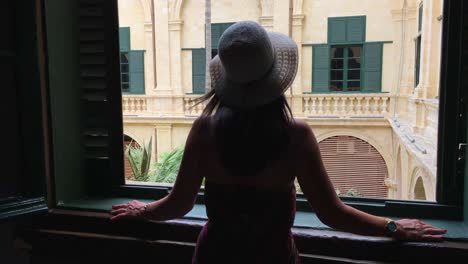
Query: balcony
x=313 y=105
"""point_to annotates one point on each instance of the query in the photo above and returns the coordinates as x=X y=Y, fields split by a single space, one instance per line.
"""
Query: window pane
x=336 y=75
x=337 y=64
x=214 y=52
x=124 y=86
x=354 y=74
x=123 y=57
x=336 y=86
x=124 y=68
x=354 y=86
x=337 y=53
x=354 y=63
x=354 y=52
x=124 y=78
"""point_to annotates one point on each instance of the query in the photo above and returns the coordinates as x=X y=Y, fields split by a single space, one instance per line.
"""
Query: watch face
x=392 y=227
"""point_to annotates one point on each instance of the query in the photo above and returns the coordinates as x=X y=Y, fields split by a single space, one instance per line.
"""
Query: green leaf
x=133 y=162
x=168 y=166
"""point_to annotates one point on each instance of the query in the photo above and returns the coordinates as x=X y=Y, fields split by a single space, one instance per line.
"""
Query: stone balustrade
x=191 y=108
x=134 y=104
x=346 y=105
x=313 y=105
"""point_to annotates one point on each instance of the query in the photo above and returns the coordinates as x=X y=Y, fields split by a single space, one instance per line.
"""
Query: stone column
x=267 y=22
x=266 y=19
x=150 y=84
x=163 y=138
x=161 y=17
x=432 y=37
x=296 y=89
x=175 y=28
x=281 y=16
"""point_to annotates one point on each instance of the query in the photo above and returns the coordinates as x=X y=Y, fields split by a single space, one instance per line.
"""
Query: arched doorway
x=127 y=142
x=419 y=191
x=354 y=164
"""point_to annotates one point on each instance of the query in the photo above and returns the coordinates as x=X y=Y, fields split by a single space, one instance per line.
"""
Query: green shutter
x=136 y=71
x=356 y=29
x=198 y=71
x=215 y=35
x=372 y=68
x=321 y=69
x=124 y=38
x=336 y=30
x=343 y=30
x=217 y=30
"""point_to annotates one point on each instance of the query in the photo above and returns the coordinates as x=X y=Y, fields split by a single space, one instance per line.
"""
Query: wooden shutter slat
x=136 y=71
x=198 y=71
x=372 y=67
x=92 y=71
x=100 y=81
x=91 y=23
x=91 y=11
x=124 y=38
x=93 y=60
x=355 y=29
x=321 y=69
x=336 y=30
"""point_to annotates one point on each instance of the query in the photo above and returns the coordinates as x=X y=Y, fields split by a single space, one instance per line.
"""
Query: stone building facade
x=368 y=74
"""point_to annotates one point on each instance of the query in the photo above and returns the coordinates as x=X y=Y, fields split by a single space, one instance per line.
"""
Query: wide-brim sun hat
x=253 y=67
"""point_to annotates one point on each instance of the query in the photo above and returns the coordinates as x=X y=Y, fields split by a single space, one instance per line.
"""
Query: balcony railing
x=191 y=108
x=313 y=105
x=345 y=105
x=134 y=104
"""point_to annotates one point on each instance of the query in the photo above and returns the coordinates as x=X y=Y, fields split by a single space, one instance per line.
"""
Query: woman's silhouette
x=250 y=150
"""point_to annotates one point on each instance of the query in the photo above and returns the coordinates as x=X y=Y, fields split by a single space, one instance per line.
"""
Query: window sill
x=85 y=225
x=305 y=222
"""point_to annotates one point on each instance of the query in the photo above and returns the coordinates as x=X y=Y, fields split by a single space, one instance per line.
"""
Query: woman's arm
x=318 y=189
x=182 y=197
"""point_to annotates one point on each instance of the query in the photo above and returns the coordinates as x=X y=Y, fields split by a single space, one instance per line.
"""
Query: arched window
x=419 y=191
x=128 y=141
x=354 y=164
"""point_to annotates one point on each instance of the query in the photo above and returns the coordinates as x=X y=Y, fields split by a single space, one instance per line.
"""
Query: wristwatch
x=390 y=227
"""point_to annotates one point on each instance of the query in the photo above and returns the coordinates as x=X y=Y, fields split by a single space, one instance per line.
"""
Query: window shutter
x=102 y=97
x=124 y=38
x=136 y=71
x=321 y=69
x=198 y=71
x=372 y=67
x=216 y=31
x=356 y=29
x=336 y=30
x=215 y=35
x=342 y=30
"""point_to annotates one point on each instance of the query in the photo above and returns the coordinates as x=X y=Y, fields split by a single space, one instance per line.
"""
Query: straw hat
x=253 y=67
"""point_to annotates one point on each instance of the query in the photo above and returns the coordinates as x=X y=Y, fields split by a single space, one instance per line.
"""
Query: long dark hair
x=249 y=139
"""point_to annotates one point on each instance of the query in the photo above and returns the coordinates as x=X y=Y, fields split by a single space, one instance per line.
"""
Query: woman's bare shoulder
x=201 y=128
x=301 y=129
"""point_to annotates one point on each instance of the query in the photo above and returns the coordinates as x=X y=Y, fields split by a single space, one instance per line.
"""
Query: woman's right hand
x=416 y=230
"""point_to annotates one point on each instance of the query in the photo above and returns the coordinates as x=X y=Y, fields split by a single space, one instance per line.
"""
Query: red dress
x=247 y=225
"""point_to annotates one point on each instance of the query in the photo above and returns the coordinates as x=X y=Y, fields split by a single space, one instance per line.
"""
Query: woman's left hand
x=133 y=209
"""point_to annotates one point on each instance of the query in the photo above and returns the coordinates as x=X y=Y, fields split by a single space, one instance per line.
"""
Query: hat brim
x=265 y=90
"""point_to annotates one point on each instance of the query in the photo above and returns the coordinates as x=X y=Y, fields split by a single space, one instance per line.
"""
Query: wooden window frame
x=452 y=130
x=345 y=69
x=123 y=53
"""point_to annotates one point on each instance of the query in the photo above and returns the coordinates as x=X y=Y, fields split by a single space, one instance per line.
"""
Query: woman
x=250 y=150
